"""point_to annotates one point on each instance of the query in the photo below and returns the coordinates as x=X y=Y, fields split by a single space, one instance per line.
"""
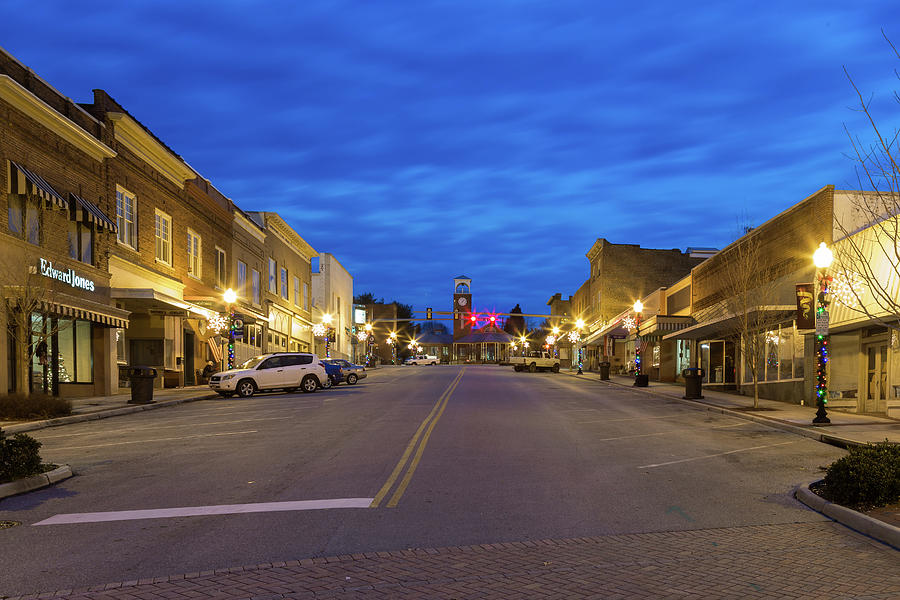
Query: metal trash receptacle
x=141 y=379
x=693 y=383
x=604 y=370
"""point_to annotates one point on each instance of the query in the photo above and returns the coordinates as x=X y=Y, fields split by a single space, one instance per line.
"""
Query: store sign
x=67 y=276
x=359 y=315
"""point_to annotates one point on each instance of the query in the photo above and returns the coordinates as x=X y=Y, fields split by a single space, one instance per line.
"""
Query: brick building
x=56 y=233
x=619 y=274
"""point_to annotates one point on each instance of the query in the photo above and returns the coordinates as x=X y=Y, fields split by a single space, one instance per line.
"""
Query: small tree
x=749 y=291
x=28 y=299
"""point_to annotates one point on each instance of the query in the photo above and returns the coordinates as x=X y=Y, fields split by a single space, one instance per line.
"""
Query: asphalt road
x=431 y=457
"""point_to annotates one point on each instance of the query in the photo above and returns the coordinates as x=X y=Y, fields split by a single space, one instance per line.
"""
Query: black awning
x=23 y=181
x=83 y=210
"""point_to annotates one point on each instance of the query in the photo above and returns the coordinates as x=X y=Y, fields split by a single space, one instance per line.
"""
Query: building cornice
x=289 y=236
x=23 y=100
x=130 y=134
x=242 y=221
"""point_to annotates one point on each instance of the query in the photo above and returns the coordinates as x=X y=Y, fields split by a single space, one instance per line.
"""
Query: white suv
x=280 y=370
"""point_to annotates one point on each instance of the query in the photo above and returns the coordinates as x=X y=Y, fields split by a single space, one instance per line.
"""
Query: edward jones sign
x=67 y=276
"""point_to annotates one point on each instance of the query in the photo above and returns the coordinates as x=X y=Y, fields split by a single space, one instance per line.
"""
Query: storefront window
x=120 y=347
x=75 y=361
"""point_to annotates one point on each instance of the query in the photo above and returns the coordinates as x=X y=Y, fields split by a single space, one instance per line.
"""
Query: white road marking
x=156 y=427
x=173 y=439
x=199 y=511
x=639 y=435
x=673 y=462
x=634 y=419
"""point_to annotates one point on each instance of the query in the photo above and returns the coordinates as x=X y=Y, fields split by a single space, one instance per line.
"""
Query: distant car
x=334 y=370
x=352 y=372
x=279 y=370
x=422 y=359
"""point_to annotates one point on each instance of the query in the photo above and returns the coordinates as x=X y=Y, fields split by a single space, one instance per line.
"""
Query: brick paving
x=801 y=560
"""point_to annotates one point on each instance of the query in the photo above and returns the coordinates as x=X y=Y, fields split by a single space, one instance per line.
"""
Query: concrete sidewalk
x=100 y=407
x=846 y=429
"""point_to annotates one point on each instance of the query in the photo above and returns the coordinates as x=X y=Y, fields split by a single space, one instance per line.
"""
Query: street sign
x=822 y=323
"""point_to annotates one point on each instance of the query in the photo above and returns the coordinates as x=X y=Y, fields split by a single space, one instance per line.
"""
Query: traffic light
x=428 y=313
x=473 y=318
x=493 y=319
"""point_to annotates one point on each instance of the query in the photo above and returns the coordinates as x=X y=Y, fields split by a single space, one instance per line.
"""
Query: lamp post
x=556 y=332
x=230 y=297
x=392 y=341
x=369 y=339
x=326 y=324
x=640 y=380
x=579 y=325
x=822 y=259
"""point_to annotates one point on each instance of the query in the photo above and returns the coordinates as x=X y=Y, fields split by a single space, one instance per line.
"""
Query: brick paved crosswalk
x=802 y=560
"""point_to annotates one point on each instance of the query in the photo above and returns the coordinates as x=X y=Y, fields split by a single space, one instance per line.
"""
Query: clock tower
x=462 y=306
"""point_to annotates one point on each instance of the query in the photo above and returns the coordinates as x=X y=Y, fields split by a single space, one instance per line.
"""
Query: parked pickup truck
x=535 y=361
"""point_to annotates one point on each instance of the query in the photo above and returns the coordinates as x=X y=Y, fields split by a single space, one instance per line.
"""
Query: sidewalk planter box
x=642 y=380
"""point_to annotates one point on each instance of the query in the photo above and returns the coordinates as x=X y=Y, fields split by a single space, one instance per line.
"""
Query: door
x=876 y=378
x=189 y=373
x=271 y=373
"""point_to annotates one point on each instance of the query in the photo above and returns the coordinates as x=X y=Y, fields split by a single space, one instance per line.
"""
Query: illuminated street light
x=230 y=297
x=640 y=380
x=822 y=259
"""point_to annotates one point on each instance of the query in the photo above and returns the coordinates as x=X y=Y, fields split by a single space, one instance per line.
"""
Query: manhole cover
x=8 y=524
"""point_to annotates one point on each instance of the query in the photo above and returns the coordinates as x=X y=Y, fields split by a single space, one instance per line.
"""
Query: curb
x=101 y=414
x=20 y=486
x=834 y=440
x=879 y=530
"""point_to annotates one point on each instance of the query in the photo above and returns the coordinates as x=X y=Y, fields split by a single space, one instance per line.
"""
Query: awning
x=23 y=181
x=723 y=324
x=82 y=210
x=77 y=308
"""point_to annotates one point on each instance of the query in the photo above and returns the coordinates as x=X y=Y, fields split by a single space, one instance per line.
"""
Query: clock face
x=461 y=301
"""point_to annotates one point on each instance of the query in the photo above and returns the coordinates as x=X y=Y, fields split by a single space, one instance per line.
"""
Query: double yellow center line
x=418 y=440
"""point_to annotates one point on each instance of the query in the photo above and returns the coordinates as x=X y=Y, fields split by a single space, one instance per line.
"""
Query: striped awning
x=89 y=311
x=83 y=210
x=23 y=181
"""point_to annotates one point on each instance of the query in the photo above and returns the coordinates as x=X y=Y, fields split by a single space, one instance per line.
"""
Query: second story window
x=193 y=254
x=255 y=287
x=221 y=276
x=81 y=241
x=297 y=291
x=242 y=278
x=25 y=218
x=126 y=209
x=163 y=238
x=305 y=296
x=284 y=283
x=273 y=277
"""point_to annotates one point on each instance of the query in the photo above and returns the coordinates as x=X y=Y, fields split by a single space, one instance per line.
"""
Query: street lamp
x=822 y=259
x=326 y=324
x=392 y=341
x=230 y=297
x=369 y=340
x=579 y=325
x=524 y=342
x=639 y=379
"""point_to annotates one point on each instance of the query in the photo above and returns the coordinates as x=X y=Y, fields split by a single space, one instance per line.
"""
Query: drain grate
x=8 y=524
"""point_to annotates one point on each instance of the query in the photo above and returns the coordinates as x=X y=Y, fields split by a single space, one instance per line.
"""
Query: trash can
x=641 y=380
x=693 y=383
x=604 y=370
x=141 y=384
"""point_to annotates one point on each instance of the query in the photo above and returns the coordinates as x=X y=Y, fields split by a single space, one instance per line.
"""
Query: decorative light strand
x=847 y=287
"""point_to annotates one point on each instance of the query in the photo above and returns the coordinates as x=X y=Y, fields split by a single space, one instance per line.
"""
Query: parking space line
x=200 y=511
x=683 y=460
x=635 y=419
x=640 y=435
x=428 y=423
x=155 y=427
x=172 y=439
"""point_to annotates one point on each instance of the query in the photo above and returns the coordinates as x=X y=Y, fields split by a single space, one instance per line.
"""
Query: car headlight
x=227 y=377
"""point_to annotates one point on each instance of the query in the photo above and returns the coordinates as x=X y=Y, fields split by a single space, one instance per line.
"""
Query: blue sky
x=421 y=140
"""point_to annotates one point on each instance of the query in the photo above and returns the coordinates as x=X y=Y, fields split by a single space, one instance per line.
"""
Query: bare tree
x=748 y=304
x=866 y=269
x=28 y=296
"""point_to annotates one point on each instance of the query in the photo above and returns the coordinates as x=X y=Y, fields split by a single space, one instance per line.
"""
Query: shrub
x=866 y=478
x=35 y=406
x=19 y=457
